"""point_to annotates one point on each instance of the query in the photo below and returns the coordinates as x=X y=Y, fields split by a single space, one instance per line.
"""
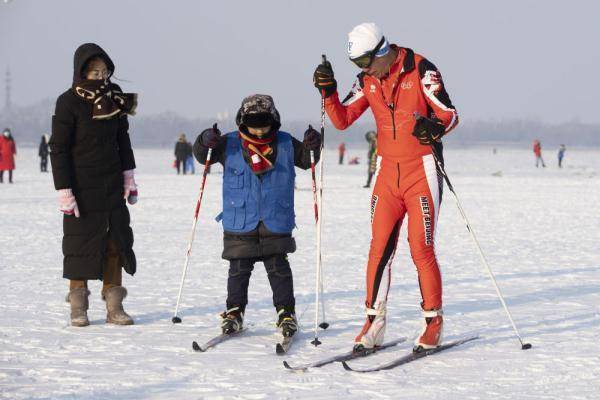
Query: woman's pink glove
x=67 y=202
x=130 y=191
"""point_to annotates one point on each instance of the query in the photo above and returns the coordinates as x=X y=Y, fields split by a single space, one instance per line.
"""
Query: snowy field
x=538 y=228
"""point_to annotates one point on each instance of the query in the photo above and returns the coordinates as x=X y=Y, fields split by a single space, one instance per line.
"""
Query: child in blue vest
x=258 y=204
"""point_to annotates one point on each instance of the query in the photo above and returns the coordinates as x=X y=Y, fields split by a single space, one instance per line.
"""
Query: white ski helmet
x=364 y=38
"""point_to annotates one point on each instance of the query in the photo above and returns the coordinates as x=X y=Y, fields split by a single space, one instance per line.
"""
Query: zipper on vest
x=398 y=181
x=260 y=196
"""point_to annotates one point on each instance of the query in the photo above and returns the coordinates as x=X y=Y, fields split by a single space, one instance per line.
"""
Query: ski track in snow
x=538 y=229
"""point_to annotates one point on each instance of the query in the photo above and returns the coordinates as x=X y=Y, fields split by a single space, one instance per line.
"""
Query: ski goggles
x=365 y=60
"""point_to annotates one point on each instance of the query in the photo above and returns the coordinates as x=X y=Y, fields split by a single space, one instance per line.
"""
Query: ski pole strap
x=432 y=313
x=376 y=311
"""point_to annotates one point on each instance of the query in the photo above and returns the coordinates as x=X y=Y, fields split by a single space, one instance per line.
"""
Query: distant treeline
x=161 y=130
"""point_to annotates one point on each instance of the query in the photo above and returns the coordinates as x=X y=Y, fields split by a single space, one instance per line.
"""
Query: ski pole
x=176 y=319
x=314 y=185
x=524 y=346
x=322 y=325
x=319 y=274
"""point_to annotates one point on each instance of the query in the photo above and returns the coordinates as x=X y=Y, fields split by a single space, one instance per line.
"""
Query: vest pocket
x=234 y=178
x=234 y=213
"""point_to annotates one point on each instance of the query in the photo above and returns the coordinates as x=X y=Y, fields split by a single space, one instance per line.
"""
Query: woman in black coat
x=93 y=169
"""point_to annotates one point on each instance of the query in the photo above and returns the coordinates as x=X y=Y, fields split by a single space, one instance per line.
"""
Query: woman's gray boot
x=79 y=306
x=114 y=306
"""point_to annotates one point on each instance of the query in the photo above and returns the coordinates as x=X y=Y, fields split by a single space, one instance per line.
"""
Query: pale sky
x=499 y=60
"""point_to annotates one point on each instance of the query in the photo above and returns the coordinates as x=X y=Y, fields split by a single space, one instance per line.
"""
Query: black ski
x=215 y=341
x=343 y=357
x=409 y=357
x=282 y=347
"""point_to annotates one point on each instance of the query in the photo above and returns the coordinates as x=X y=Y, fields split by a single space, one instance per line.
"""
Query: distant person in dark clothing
x=183 y=150
x=371 y=138
x=43 y=154
x=561 y=154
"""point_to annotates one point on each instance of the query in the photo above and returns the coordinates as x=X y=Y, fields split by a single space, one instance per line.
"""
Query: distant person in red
x=342 y=151
x=537 y=150
x=8 y=149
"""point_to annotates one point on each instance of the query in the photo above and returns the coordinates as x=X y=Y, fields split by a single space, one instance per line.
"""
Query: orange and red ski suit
x=407 y=180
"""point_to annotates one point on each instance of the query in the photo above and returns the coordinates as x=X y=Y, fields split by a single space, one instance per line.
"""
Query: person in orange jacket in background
x=342 y=151
x=537 y=150
x=412 y=111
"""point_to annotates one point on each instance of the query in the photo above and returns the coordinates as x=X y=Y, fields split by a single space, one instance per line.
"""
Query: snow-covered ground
x=538 y=228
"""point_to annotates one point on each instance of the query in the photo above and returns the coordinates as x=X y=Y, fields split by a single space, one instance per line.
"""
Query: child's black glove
x=312 y=139
x=210 y=137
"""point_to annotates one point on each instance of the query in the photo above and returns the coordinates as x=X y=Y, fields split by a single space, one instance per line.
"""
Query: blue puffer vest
x=248 y=199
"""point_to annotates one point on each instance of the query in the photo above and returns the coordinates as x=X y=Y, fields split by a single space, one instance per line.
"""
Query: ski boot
x=232 y=320
x=373 y=331
x=431 y=336
x=286 y=321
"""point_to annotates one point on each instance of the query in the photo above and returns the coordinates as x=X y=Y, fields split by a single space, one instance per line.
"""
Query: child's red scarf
x=259 y=150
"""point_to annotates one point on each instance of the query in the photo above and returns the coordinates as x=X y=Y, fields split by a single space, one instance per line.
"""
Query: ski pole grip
x=210 y=149
x=323 y=61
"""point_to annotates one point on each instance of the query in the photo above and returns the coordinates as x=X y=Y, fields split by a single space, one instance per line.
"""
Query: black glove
x=312 y=139
x=428 y=131
x=210 y=137
x=324 y=80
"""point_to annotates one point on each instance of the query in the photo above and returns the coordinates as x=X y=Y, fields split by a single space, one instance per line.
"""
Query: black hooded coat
x=89 y=156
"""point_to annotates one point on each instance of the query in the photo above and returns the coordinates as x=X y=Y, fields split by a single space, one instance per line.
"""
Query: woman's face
x=97 y=70
x=259 y=131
